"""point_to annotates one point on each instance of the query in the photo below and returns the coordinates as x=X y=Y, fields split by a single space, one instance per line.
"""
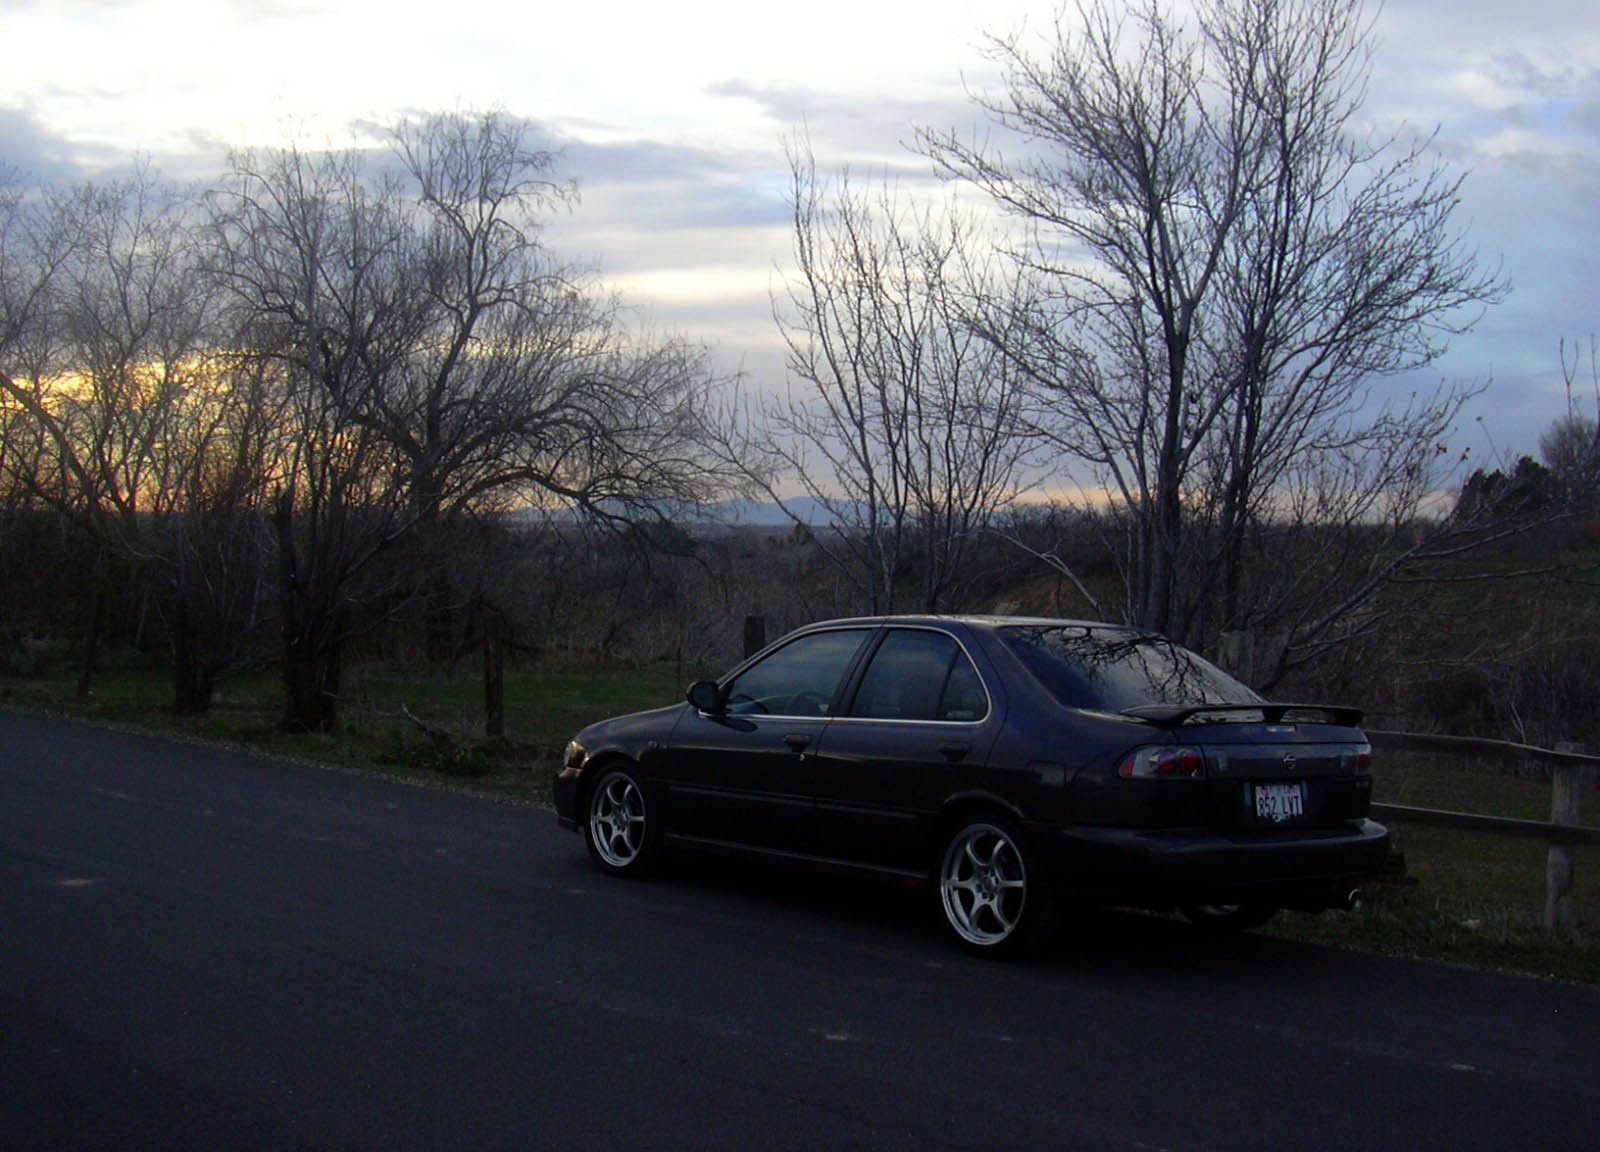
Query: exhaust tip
x=1351 y=899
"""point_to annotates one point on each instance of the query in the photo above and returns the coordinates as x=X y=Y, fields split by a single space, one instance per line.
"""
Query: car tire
x=991 y=896
x=1228 y=917
x=617 y=828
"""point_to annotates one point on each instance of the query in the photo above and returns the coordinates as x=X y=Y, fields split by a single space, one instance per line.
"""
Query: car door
x=744 y=775
x=919 y=721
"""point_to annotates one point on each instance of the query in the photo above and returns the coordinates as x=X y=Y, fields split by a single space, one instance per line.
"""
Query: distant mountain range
x=754 y=514
x=761 y=516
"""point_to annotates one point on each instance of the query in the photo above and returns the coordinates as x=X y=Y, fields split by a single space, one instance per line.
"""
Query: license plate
x=1277 y=803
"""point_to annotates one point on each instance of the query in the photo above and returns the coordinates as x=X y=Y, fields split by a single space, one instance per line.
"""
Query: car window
x=799 y=679
x=1115 y=668
x=920 y=675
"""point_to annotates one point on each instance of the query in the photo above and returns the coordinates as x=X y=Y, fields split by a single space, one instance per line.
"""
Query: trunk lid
x=1275 y=767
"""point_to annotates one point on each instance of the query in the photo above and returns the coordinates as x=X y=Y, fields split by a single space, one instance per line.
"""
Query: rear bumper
x=1308 y=868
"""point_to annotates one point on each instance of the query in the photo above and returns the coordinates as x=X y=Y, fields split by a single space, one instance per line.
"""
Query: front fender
x=640 y=738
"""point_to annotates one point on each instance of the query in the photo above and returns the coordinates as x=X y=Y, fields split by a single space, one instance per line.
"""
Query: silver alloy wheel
x=983 y=884
x=616 y=820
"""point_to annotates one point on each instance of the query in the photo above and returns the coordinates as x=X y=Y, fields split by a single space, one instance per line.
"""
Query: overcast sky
x=672 y=118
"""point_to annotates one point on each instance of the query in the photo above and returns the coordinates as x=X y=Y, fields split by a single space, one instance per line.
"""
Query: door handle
x=955 y=749
x=797 y=741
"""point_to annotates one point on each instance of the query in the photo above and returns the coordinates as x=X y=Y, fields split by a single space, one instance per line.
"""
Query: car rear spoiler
x=1175 y=715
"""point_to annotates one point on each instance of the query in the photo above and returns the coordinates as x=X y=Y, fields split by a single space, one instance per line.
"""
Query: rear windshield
x=1110 y=669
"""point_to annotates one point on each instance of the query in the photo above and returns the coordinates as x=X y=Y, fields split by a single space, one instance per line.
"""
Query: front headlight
x=575 y=755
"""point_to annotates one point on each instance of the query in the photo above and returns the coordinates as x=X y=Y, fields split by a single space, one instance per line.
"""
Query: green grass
x=544 y=709
x=1472 y=897
x=1461 y=785
x=1466 y=897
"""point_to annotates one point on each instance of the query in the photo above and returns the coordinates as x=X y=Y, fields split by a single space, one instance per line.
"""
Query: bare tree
x=316 y=259
x=33 y=244
x=1226 y=268
x=36 y=238
x=438 y=361
x=214 y=542
x=105 y=387
x=902 y=424
x=524 y=383
x=1571 y=446
x=31 y=250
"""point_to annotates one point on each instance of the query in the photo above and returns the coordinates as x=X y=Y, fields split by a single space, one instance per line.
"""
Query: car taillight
x=1357 y=760
x=1163 y=762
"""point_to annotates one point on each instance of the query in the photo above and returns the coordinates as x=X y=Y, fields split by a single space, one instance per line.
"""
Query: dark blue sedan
x=1015 y=765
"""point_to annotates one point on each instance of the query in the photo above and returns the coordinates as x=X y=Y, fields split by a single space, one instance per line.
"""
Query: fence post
x=1236 y=652
x=1566 y=798
x=494 y=675
x=755 y=635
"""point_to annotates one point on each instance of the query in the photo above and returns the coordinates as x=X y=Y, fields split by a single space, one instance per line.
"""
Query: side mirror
x=705 y=696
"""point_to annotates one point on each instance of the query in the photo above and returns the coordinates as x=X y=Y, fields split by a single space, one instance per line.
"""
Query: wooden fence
x=1571 y=772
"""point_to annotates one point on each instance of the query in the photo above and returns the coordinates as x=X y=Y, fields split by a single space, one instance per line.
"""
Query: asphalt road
x=201 y=949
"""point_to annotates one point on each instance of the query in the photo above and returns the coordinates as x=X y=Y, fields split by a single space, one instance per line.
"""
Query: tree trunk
x=755 y=635
x=312 y=638
x=91 y=644
x=311 y=682
x=494 y=676
x=194 y=681
x=194 y=689
x=430 y=530
x=439 y=622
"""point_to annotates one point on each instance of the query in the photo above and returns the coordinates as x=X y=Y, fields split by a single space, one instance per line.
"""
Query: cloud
x=1586 y=117
x=73 y=7
x=29 y=146
x=629 y=161
x=857 y=127
x=656 y=185
x=274 y=9
x=1472 y=24
x=1529 y=205
x=1514 y=91
x=675 y=128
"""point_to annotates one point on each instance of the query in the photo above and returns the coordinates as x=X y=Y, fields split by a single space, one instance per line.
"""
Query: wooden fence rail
x=1503 y=825
x=1571 y=771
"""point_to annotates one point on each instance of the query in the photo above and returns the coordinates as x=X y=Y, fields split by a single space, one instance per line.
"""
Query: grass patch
x=1459 y=784
x=1471 y=897
x=545 y=707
